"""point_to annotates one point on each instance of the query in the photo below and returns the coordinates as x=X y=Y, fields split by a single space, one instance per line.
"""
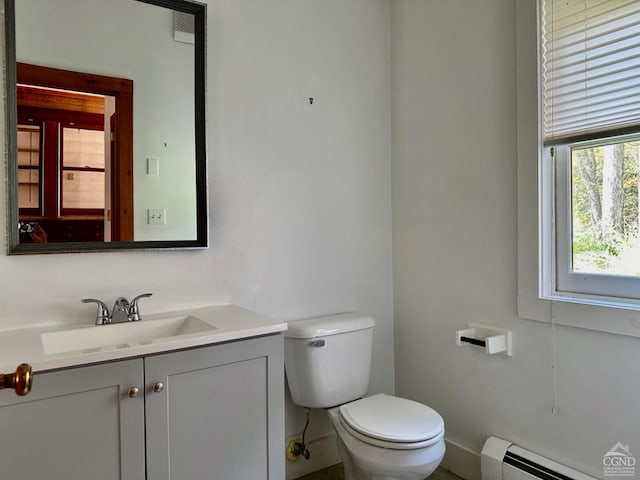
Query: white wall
x=303 y=189
x=299 y=193
x=454 y=126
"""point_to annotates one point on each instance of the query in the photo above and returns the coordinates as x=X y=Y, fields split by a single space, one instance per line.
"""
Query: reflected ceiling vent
x=184 y=27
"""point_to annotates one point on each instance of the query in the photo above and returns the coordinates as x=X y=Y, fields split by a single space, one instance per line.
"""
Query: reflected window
x=61 y=153
x=61 y=164
x=83 y=167
x=84 y=164
x=29 y=168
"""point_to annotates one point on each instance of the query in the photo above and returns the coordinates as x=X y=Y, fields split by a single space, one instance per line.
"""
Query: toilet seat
x=391 y=422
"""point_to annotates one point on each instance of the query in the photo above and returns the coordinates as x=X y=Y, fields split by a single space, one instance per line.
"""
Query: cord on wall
x=554 y=362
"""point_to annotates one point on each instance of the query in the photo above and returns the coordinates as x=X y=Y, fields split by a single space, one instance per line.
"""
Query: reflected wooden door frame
x=122 y=172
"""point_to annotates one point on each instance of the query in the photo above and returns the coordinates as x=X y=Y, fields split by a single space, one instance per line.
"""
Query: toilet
x=380 y=437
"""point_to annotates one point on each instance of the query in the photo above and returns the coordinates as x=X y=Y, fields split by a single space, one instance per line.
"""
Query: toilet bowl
x=380 y=437
x=388 y=438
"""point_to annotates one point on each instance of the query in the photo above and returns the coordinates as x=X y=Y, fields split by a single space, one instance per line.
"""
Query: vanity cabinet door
x=218 y=413
x=78 y=423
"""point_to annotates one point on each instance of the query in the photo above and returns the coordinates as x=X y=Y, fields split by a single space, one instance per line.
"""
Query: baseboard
x=323 y=454
x=461 y=461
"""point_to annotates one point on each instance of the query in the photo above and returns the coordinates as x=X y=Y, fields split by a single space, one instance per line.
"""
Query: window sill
x=591 y=313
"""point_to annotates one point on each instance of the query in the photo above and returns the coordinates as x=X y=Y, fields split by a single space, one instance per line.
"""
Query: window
x=590 y=85
x=62 y=171
x=61 y=153
x=29 y=168
x=82 y=164
x=77 y=195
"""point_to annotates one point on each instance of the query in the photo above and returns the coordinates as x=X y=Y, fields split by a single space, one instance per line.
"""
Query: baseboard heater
x=502 y=460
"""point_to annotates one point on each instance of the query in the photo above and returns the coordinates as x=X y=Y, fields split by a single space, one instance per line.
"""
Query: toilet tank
x=328 y=359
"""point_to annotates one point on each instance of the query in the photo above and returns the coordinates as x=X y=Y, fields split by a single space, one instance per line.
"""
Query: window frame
x=28 y=126
x=62 y=169
x=561 y=282
x=51 y=167
x=557 y=279
x=534 y=175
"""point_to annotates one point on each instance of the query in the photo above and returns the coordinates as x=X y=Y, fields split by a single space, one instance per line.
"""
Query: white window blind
x=590 y=66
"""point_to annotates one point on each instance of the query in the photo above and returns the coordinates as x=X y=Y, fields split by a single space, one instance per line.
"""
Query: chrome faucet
x=123 y=310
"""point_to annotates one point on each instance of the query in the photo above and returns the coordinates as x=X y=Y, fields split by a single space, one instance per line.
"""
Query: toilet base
x=363 y=461
x=353 y=471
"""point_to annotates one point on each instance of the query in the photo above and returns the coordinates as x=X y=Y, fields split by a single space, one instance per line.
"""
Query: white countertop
x=231 y=323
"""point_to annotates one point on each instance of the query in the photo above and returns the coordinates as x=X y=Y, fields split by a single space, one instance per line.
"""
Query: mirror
x=105 y=125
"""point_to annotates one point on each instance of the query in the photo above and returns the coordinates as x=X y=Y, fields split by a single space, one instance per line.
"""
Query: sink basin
x=120 y=335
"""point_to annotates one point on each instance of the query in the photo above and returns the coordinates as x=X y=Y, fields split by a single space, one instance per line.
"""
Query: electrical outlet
x=156 y=216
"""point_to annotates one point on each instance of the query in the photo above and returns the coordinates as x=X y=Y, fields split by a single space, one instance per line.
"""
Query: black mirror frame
x=202 y=237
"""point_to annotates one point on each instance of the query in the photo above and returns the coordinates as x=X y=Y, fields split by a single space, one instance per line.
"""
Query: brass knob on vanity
x=20 y=381
x=158 y=387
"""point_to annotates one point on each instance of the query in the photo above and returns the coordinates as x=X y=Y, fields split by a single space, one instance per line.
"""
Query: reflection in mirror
x=74 y=166
x=107 y=149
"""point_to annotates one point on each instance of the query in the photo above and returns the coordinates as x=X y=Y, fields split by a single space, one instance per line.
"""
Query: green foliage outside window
x=605 y=208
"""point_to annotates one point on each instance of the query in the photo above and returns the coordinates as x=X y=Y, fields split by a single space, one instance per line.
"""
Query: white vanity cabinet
x=214 y=413
x=75 y=424
x=219 y=414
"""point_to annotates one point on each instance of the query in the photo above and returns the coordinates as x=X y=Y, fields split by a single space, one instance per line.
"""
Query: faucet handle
x=134 y=310
x=102 y=317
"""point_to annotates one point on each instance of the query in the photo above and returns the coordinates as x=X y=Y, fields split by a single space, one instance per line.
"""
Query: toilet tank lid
x=328 y=325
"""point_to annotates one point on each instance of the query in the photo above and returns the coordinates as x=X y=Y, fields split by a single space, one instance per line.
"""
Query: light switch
x=156 y=216
x=153 y=166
